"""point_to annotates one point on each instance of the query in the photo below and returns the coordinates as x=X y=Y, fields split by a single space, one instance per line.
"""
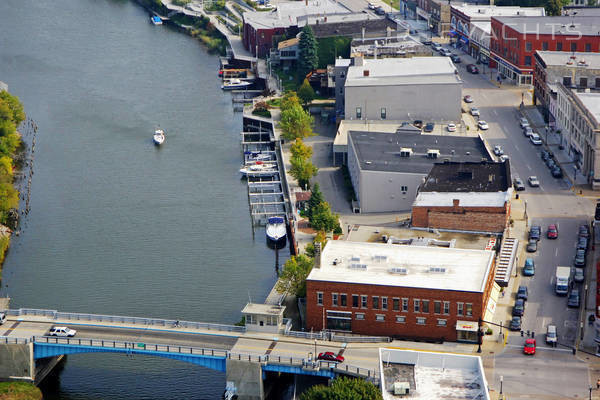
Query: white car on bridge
x=62 y=331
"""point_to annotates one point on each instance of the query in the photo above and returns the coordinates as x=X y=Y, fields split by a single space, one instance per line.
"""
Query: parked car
x=455 y=59
x=552 y=232
x=429 y=127
x=379 y=11
x=527 y=131
x=545 y=155
x=498 y=150
x=475 y=111
x=372 y=7
x=533 y=181
x=519 y=308
x=481 y=124
x=582 y=243
x=330 y=356
x=550 y=163
x=503 y=158
x=468 y=99
x=445 y=52
x=529 y=267
x=532 y=246
x=573 y=299
x=535 y=232
x=518 y=184
x=529 y=347
x=535 y=139
x=579 y=275
x=61 y=331
x=2 y=318
x=418 y=123
x=522 y=293
x=551 y=335
x=523 y=122
x=556 y=172
x=584 y=231
x=451 y=127
x=472 y=68
x=436 y=46
x=515 y=323
x=427 y=42
x=579 y=260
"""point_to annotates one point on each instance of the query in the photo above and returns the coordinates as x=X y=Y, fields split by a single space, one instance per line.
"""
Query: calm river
x=118 y=226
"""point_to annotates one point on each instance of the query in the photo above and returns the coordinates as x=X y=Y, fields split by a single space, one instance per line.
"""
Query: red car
x=330 y=356
x=529 y=347
x=552 y=232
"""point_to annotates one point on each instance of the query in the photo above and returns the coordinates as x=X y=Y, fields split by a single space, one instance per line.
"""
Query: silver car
x=533 y=181
x=524 y=123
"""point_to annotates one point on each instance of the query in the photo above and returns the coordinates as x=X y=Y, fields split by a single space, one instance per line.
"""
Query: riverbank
x=19 y=391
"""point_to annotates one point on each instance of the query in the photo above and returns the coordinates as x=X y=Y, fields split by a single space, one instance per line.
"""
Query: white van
x=551 y=337
x=2 y=317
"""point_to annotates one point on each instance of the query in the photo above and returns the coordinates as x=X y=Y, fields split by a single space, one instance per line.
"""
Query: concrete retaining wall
x=16 y=362
x=247 y=377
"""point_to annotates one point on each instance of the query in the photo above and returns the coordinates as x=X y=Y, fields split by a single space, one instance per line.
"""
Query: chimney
x=325 y=19
x=454 y=203
x=366 y=72
x=317 y=254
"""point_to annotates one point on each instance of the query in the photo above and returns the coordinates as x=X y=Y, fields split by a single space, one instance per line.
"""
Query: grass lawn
x=19 y=391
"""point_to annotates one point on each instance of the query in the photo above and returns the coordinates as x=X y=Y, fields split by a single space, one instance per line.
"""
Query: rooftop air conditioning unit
x=401 y=388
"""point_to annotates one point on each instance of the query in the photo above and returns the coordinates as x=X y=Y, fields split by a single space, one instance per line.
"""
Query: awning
x=485 y=52
x=452 y=33
x=465 y=41
x=491 y=305
x=470 y=326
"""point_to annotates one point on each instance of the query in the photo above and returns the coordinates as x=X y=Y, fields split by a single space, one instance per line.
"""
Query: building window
x=363 y=301
x=437 y=307
x=460 y=307
x=375 y=302
x=383 y=113
x=442 y=322
x=319 y=298
x=400 y=319
x=358 y=112
x=343 y=299
x=544 y=46
x=404 y=304
x=396 y=304
x=588 y=47
x=469 y=310
x=425 y=306
x=598 y=83
x=559 y=46
x=417 y=304
x=360 y=315
x=380 y=317
x=384 y=303
x=583 y=82
x=573 y=46
x=404 y=189
x=527 y=46
x=355 y=300
x=567 y=81
x=421 y=320
x=446 y=307
x=527 y=60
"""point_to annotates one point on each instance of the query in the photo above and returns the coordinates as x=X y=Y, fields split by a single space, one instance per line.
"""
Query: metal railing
x=360 y=339
x=305 y=335
x=146 y=322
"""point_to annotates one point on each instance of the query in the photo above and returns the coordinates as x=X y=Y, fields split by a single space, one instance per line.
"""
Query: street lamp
x=315 y=348
x=590 y=392
x=501 y=380
x=479 y=335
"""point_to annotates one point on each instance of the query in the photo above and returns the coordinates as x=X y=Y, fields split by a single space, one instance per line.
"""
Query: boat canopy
x=156 y=19
x=276 y=220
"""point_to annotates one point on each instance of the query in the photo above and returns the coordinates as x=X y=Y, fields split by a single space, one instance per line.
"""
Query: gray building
x=340 y=71
x=405 y=89
x=386 y=169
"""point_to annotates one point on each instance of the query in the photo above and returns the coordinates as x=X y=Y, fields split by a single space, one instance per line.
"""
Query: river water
x=118 y=226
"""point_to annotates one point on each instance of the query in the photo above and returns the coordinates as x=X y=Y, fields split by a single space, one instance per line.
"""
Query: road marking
x=495 y=112
x=528 y=167
x=12 y=328
x=556 y=252
x=540 y=348
x=271 y=347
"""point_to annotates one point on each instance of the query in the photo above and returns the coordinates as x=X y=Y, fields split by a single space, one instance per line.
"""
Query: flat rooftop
x=591 y=101
x=403 y=71
x=336 y=18
x=559 y=25
x=382 y=151
x=287 y=13
x=404 y=266
x=485 y=12
x=468 y=177
x=563 y=58
x=432 y=375
x=264 y=309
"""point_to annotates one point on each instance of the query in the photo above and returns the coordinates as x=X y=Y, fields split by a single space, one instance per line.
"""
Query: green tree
x=18 y=115
x=322 y=219
x=308 y=58
x=303 y=170
x=306 y=93
x=292 y=279
x=289 y=99
x=316 y=197
x=295 y=123
x=319 y=238
x=300 y=150
x=343 y=388
x=554 y=7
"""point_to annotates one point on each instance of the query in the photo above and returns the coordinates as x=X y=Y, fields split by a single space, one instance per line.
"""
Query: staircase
x=506 y=261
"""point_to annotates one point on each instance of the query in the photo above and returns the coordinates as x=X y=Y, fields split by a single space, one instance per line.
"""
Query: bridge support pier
x=247 y=378
x=16 y=362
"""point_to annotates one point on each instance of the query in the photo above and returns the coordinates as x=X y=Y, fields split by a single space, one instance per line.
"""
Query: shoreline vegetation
x=197 y=27
x=19 y=391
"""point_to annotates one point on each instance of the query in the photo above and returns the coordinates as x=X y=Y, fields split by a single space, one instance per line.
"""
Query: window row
x=424 y=306
x=401 y=319
x=383 y=112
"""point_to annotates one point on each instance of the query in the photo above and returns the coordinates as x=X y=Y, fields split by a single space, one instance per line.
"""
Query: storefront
x=509 y=71
x=339 y=320
x=484 y=55
x=474 y=50
x=466 y=331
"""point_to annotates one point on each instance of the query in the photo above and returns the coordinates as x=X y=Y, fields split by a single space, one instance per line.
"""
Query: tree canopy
x=306 y=93
x=296 y=123
x=292 y=279
x=343 y=388
x=11 y=115
x=299 y=149
x=322 y=219
x=308 y=57
x=303 y=170
x=316 y=197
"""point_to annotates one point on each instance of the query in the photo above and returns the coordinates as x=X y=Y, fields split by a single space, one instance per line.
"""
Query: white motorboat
x=276 y=229
x=159 y=137
x=256 y=156
x=258 y=168
x=235 y=83
x=156 y=20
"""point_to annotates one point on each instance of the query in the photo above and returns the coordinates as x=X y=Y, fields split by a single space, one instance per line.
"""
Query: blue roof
x=156 y=18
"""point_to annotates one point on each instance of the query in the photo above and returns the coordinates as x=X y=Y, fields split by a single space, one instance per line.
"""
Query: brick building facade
x=400 y=291
x=458 y=217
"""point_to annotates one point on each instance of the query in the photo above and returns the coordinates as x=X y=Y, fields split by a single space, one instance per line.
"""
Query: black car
x=545 y=155
x=429 y=127
x=472 y=68
x=455 y=59
x=579 y=258
x=418 y=123
x=573 y=299
x=582 y=243
x=584 y=231
x=427 y=42
x=535 y=232
x=519 y=308
x=379 y=11
x=522 y=293
x=532 y=246
x=515 y=324
x=557 y=172
x=550 y=163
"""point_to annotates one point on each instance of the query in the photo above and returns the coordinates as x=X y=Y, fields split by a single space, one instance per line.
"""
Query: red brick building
x=515 y=39
x=464 y=197
x=427 y=292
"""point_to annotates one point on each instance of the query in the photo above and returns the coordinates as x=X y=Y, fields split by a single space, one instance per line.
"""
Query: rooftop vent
x=433 y=153
x=379 y=258
x=355 y=258
x=366 y=72
x=437 y=270
x=362 y=267
x=405 y=152
x=398 y=270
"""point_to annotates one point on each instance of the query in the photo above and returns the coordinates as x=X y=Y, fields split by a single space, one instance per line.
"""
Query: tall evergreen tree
x=308 y=58
x=316 y=198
